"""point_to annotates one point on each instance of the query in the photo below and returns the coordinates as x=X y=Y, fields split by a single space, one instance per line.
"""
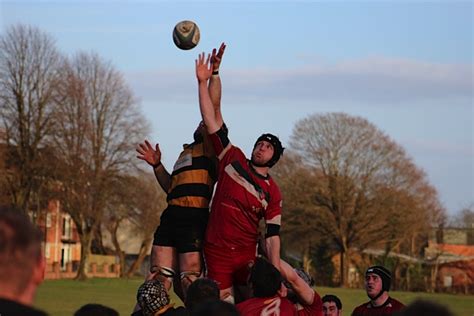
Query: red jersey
x=315 y=309
x=273 y=306
x=389 y=307
x=239 y=204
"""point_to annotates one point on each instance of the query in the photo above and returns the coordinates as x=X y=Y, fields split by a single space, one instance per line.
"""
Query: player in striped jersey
x=179 y=237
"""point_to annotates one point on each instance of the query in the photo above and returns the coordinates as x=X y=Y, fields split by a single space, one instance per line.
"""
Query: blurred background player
x=332 y=305
x=21 y=263
x=377 y=285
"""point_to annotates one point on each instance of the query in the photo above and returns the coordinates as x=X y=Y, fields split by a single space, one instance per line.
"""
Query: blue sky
x=406 y=66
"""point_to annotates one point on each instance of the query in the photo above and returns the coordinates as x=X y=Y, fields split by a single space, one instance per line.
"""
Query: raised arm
x=153 y=158
x=215 y=86
x=203 y=73
x=300 y=287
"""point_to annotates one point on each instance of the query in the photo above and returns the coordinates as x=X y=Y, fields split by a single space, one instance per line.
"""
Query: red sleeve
x=273 y=211
x=315 y=309
x=220 y=142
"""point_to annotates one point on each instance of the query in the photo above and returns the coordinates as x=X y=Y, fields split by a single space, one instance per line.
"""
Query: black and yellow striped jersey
x=193 y=177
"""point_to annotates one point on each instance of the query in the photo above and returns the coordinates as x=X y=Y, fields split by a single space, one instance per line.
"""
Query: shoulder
x=359 y=309
x=396 y=303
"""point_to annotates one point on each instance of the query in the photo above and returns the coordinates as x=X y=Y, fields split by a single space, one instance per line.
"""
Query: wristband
x=215 y=73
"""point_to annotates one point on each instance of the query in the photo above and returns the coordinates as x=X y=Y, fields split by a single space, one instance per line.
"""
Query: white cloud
x=372 y=80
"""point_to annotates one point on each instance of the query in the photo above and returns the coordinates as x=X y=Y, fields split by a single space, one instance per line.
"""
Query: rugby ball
x=186 y=35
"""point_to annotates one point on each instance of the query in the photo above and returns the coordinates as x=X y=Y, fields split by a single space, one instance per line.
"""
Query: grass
x=63 y=297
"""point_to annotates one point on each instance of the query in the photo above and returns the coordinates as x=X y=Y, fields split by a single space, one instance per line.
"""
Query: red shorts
x=229 y=266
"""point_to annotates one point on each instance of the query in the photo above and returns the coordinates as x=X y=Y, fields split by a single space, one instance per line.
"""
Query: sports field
x=63 y=297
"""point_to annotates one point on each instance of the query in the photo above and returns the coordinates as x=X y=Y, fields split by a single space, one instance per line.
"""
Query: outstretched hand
x=203 y=68
x=148 y=154
x=216 y=57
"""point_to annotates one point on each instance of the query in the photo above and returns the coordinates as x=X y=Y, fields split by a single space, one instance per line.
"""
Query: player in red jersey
x=377 y=285
x=268 y=292
x=300 y=292
x=245 y=194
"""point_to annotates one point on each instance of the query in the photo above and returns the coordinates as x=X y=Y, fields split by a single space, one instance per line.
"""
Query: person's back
x=21 y=263
x=258 y=306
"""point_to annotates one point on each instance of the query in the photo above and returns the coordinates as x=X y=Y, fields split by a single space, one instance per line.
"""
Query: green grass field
x=63 y=297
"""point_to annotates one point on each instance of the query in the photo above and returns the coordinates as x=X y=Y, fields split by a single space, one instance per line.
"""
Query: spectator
x=21 y=263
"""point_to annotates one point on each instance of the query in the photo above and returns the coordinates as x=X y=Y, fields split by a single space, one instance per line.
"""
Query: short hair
x=20 y=248
x=201 y=290
x=424 y=308
x=332 y=298
x=96 y=310
x=265 y=279
x=215 y=308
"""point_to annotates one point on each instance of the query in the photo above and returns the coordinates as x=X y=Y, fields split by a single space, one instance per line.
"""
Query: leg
x=190 y=267
x=164 y=262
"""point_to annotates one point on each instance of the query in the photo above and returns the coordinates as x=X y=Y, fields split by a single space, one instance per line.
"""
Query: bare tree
x=137 y=201
x=366 y=191
x=99 y=124
x=28 y=83
x=150 y=201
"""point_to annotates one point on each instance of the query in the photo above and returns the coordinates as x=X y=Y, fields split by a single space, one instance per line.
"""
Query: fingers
x=221 y=50
x=213 y=57
x=148 y=145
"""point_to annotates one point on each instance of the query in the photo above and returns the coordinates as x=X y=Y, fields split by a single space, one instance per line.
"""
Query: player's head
x=265 y=280
x=215 y=307
x=377 y=281
x=305 y=276
x=21 y=260
x=266 y=151
x=153 y=298
x=201 y=290
x=96 y=310
x=332 y=305
x=200 y=132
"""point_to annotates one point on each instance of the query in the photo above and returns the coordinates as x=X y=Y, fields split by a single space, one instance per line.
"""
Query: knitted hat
x=152 y=297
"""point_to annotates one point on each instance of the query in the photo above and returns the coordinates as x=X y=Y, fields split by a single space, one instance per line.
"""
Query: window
x=47 y=250
x=48 y=220
x=67 y=227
